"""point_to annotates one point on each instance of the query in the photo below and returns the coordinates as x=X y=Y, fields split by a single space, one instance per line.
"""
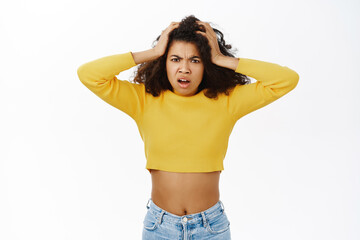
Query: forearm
x=144 y=56
x=227 y=62
x=260 y=70
x=105 y=68
x=99 y=76
x=266 y=72
x=272 y=82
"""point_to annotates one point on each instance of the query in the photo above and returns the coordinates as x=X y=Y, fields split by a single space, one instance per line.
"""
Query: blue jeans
x=210 y=224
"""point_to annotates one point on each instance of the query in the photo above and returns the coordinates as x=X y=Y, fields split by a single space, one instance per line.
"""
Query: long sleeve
x=99 y=76
x=272 y=82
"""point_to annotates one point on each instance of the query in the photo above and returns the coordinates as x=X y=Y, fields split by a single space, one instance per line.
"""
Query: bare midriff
x=184 y=193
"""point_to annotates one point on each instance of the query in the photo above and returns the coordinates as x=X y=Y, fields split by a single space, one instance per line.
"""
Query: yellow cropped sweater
x=186 y=134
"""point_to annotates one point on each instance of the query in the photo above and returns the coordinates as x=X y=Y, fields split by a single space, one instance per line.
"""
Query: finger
x=171 y=27
x=208 y=35
x=202 y=26
x=207 y=27
x=173 y=24
x=206 y=24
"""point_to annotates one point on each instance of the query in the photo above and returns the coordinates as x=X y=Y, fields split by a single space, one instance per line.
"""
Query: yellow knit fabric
x=186 y=134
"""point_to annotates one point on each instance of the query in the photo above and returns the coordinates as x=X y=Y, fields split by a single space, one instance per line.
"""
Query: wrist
x=155 y=53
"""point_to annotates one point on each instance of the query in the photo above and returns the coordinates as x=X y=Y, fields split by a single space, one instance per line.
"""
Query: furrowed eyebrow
x=182 y=58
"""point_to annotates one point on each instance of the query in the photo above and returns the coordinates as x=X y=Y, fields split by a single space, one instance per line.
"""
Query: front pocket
x=150 y=222
x=219 y=224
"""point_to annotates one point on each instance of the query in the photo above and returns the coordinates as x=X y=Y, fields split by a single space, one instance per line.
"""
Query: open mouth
x=183 y=83
x=183 y=80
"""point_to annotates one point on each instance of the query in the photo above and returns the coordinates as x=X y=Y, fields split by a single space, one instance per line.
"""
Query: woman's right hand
x=160 y=47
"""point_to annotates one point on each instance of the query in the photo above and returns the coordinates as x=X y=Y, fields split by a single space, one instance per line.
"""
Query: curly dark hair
x=153 y=73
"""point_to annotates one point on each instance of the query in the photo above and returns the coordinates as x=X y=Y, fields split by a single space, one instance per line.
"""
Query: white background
x=73 y=167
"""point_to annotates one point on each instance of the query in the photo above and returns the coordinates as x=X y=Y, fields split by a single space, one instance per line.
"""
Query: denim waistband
x=203 y=216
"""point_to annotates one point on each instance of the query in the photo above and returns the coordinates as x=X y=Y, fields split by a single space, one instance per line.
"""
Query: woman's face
x=184 y=68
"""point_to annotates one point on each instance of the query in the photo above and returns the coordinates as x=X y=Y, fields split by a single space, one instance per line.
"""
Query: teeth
x=183 y=80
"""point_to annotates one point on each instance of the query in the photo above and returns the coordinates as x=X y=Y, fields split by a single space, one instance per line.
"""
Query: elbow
x=291 y=78
x=81 y=73
x=287 y=83
x=85 y=76
x=294 y=79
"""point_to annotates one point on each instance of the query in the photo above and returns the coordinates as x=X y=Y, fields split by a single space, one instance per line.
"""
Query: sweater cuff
x=244 y=65
x=130 y=59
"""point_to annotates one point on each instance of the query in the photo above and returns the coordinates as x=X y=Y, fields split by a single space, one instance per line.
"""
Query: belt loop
x=148 y=204
x=204 y=219
x=222 y=205
x=161 y=216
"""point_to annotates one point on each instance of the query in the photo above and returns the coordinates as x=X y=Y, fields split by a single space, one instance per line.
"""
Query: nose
x=184 y=68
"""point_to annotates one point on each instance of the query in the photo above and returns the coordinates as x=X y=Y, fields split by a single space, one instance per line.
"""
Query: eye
x=174 y=59
x=195 y=61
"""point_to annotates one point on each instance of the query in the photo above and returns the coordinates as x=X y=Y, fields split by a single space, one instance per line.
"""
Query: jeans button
x=185 y=219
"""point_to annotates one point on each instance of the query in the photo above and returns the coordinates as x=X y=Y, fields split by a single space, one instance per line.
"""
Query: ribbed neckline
x=199 y=94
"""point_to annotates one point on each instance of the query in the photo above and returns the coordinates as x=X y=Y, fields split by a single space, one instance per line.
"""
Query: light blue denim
x=210 y=224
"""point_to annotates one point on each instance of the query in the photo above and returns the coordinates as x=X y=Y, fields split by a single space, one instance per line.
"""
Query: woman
x=188 y=93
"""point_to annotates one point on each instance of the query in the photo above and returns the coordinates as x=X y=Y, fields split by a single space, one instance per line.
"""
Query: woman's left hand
x=212 y=38
x=216 y=56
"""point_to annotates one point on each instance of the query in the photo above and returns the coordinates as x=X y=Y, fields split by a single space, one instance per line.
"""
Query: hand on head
x=206 y=31
x=160 y=47
x=212 y=38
